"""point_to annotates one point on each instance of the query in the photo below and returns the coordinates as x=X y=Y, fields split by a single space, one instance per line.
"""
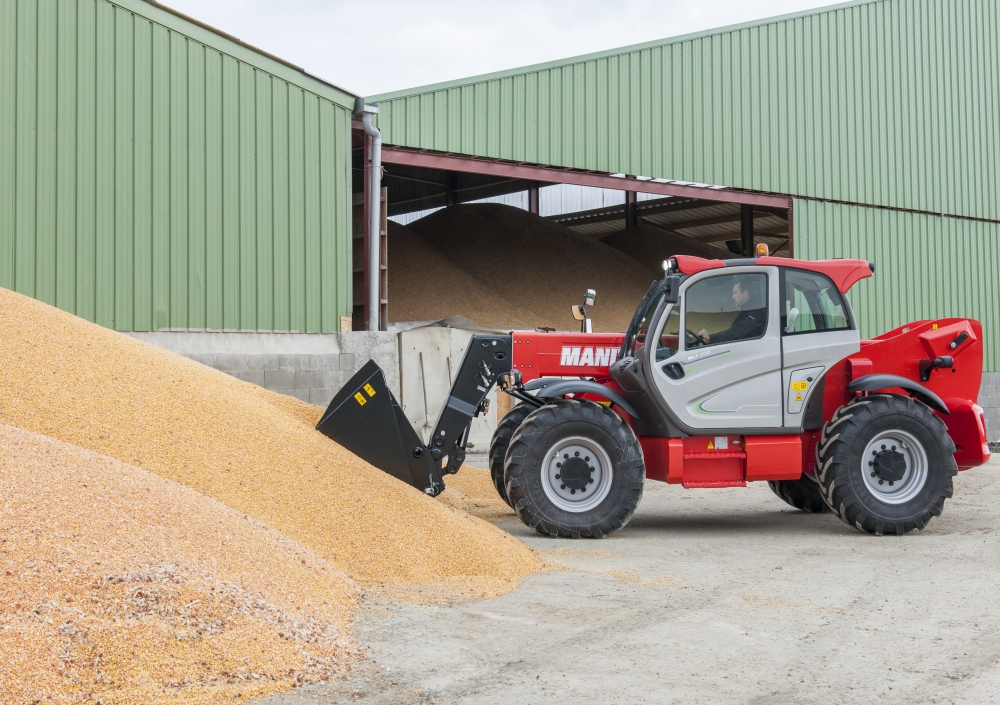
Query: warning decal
x=361 y=398
x=370 y=390
x=803 y=386
x=798 y=397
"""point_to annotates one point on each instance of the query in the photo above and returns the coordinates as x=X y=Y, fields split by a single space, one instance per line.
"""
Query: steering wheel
x=692 y=339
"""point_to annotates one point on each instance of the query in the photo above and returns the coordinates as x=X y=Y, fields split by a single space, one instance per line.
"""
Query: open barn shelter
x=158 y=174
x=867 y=129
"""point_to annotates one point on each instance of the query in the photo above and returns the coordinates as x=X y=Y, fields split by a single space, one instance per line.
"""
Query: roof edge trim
x=233 y=46
x=582 y=58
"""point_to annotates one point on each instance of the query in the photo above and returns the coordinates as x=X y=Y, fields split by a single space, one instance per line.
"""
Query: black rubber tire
x=538 y=433
x=802 y=494
x=501 y=441
x=839 y=463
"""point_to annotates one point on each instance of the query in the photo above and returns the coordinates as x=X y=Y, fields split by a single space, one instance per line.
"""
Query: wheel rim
x=894 y=467
x=576 y=474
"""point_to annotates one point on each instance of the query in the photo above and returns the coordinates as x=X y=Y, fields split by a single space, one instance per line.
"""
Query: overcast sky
x=384 y=45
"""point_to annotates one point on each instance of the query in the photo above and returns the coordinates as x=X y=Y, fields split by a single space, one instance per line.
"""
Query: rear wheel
x=501 y=441
x=802 y=494
x=885 y=464
x=574 y=469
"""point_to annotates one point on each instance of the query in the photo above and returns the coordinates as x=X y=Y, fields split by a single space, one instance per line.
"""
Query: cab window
x=635 y=336
x=667 y=343
x=810 y=303
x=725 y=309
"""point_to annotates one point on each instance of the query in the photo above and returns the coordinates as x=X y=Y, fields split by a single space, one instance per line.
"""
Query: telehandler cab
x=731 y=372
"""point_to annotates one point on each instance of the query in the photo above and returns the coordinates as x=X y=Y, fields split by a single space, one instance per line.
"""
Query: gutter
x=374 y=212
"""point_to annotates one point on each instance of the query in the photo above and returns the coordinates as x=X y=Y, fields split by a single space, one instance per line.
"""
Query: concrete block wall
x=309 y=367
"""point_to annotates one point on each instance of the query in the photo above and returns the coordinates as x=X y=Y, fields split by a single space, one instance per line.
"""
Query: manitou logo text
x=588 y=357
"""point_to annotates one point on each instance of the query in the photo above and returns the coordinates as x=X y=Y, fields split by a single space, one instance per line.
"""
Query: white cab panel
x=732 y=384
x=811 y=355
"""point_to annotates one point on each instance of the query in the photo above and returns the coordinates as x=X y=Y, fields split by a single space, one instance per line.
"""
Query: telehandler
x=730 y=372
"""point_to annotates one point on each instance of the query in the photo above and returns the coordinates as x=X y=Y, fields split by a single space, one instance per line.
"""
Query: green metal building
x=880 y=120
x=156 y=173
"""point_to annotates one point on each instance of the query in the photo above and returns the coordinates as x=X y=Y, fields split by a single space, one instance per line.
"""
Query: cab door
x=817 y=331
x=725 y=372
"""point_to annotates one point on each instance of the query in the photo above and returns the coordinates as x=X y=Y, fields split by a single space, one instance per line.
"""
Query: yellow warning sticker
x=800 y=386
x=361 y=398
x=798 y=397
x=711 y=446
x=370 y=390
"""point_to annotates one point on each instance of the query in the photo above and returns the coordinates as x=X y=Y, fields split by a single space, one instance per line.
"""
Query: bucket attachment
x=365 y=417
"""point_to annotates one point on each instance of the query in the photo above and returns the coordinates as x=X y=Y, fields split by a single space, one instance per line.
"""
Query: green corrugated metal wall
x=890 y=102
x=925 y=266
x=151 y=180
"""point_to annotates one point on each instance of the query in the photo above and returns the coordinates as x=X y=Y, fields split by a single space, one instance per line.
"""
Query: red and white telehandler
x=731 y=372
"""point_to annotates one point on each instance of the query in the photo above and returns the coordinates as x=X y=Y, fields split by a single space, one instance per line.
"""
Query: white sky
x=384 y=45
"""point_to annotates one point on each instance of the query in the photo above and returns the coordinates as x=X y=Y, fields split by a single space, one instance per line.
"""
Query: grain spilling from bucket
x=251 y=449
x=119 y=586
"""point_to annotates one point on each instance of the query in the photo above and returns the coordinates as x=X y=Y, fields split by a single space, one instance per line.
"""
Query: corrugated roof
x=612 y=52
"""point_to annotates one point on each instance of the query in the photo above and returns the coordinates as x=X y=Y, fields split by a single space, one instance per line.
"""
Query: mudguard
x=574 y=386
x=875 y=382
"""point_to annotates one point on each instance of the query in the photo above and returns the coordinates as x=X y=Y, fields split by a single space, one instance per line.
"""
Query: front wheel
x=885 y=464
x=574 y=469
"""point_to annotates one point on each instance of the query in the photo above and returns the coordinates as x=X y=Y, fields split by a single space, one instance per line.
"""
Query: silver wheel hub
x=576 y=474
x=894 y=467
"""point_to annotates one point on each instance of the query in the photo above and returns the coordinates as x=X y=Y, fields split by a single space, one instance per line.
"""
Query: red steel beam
x=555 y=175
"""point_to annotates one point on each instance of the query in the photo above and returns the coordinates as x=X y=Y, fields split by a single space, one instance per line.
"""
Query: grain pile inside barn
x=503 y=267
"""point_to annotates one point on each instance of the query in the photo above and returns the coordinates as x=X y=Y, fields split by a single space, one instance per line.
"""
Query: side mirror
x=671 y=292
x=579 y=313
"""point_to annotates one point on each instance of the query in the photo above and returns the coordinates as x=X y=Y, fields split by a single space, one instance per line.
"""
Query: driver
x=749 y=323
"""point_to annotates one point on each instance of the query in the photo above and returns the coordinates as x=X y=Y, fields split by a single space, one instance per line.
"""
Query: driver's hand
x=703 y=334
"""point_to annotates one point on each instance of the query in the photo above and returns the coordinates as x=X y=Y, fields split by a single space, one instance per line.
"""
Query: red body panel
x=565 y=354
x=773 y=457
x=844 y=273
x=900 y=351
x=692 y=265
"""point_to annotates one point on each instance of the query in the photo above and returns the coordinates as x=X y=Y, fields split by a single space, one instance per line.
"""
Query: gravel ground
x=715 y=596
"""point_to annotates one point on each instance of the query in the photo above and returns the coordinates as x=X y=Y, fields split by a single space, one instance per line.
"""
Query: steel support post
x=746 y=229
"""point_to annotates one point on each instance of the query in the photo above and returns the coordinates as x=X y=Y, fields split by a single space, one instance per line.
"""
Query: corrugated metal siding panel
x=925 y=266
x=148 y=180
x=892 y=103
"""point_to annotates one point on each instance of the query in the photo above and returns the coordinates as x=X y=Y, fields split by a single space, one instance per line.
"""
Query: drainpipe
x=374 y=213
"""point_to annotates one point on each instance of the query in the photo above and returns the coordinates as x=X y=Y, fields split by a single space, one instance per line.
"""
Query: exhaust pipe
x=366 y=419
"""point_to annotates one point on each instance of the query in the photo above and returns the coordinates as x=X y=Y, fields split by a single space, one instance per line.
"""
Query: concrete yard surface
x=712 y=596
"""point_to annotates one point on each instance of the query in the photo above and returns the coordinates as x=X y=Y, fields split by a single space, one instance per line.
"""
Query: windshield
x=635 y=337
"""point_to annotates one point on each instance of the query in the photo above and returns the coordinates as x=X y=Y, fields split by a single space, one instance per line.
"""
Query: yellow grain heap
x=119 y=586
x=251 y=449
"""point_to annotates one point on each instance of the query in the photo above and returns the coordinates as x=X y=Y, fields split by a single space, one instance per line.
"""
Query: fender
x=574 y=386
x=540 y=383
x=873 y=383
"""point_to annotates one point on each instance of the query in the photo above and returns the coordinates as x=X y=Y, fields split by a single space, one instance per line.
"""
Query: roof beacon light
x=761 y=250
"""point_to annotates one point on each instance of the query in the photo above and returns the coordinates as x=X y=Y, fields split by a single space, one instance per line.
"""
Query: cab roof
x=844 y=273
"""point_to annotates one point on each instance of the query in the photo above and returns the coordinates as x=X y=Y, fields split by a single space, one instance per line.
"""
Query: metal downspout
x=374 y=213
